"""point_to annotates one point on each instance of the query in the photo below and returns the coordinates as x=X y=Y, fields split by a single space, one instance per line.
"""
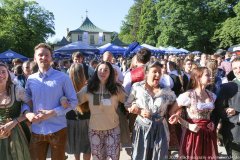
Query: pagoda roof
x=118 y=42
x=63 y=42
x=88 y=26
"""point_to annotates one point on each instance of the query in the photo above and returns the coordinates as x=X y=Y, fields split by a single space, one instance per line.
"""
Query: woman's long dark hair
x=9 y=80
x=94 y=82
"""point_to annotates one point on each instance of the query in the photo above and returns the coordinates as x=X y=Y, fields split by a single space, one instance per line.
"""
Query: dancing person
x=45 y=88
x=199 y=140
x=13 y=141
x=150 y=103
x=103 y=95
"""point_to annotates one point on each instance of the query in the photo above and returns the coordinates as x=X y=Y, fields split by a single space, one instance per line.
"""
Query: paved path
x=125 y=156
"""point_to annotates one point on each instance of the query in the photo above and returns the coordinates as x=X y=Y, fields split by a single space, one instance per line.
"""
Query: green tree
x=23 y=25
x=228 y=32
x=170 y=17
x=130 y=26
x=148 y=21
x=191 y=24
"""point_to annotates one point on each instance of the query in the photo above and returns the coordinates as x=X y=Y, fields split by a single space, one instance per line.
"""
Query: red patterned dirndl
x=200 y=145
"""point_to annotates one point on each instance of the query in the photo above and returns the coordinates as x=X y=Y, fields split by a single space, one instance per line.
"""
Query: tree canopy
x=24 y=24
x=228 y=33
x=130 y=25
x=203 y=25
x=147 y=23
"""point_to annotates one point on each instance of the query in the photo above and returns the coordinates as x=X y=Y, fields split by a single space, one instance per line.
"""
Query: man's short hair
x=43 y=45
x=17 y=60
x=94 y=61
x=143 y=55
x=77 y=54
x=64 y=62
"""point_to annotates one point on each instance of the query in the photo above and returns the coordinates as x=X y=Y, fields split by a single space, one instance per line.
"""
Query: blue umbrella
x=9 y=55
x=77 y=46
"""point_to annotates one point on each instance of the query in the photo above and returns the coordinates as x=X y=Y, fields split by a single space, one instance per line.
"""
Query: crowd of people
x=94 y=107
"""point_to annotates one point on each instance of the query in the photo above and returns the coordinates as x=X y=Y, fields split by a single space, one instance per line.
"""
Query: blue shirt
x=45 y=90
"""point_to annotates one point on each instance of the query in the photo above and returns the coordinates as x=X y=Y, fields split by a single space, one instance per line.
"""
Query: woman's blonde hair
x=76 y=73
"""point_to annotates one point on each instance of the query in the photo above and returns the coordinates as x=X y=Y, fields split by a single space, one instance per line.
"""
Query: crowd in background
x=95 y=104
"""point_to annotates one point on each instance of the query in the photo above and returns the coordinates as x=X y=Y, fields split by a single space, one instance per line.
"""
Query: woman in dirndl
x=199 y=141
x=13 y=141
x=150 y=103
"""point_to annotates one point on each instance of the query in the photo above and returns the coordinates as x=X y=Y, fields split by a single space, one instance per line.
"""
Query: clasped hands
x=136 y=110
x=40 y=116
x=176 y=118
x=5 y=130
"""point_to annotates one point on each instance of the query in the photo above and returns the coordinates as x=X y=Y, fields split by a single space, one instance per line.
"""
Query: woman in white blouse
x=13 y=140
x=199 y=141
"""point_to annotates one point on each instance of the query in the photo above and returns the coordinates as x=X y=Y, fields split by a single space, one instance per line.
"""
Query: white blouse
x=20 y=93
x=156 y=104
x=196 y=110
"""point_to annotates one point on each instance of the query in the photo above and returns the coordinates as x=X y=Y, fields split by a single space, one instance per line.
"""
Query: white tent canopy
x=236 y=49
x=152 y=48
x=172 y=49
x=162 y=48
x=149 y=47
x=183 y=50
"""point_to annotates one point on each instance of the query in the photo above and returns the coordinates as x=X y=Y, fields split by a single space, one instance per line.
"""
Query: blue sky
x=106 y=14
